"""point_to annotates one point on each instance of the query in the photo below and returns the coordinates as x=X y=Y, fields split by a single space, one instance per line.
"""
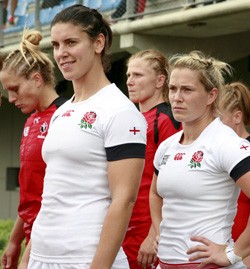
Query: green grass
x=5 y=230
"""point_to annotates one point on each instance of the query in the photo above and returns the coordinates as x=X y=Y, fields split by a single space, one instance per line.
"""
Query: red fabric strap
x=164 y=265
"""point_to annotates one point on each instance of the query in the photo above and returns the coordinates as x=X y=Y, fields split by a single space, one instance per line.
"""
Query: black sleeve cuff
x=240 y=169
x=126 y=151
x=156 y=171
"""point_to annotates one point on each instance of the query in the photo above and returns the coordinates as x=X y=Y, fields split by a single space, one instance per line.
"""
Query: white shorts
x=118 y=264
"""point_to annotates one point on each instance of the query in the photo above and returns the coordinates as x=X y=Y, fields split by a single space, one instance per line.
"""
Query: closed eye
x=13 y=89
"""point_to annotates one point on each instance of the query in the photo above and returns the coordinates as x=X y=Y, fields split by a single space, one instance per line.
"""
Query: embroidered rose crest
x=196 y=159
x=87 y=120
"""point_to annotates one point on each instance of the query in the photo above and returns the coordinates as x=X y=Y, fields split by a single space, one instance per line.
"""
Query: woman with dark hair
x=94 y=153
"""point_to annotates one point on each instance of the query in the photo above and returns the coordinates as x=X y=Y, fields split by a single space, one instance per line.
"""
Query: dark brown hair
x=92 y=23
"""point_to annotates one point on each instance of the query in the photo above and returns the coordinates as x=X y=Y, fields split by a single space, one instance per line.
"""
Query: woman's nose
x=12 y=97
x=61 y=52
x=129 y=81
x=177 y=95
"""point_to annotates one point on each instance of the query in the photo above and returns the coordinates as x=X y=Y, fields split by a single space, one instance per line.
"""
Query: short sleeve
x=125 y=127
x=231 y=152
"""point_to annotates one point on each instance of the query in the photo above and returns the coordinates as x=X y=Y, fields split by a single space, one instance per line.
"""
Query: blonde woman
x=28 y=77
x=199 y=172
x=147 y=76
x=235 y=112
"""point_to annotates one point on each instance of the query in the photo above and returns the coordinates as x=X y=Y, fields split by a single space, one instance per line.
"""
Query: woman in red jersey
x=147 y=74
x=28 y=77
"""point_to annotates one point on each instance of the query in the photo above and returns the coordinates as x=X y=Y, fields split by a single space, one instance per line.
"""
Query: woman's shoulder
x=225 y=140
x=217 y=130
x=171 y=140
x=114 y=99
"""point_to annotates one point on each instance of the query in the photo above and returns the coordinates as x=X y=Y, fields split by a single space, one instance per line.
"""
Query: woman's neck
x=150 y=103
x=88 y=86
x=191 y=131
x=243 y=133
x=47 y=98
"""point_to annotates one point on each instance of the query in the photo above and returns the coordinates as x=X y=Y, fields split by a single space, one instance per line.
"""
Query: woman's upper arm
x=244 y=183
x=156 y=203
x=124 y=177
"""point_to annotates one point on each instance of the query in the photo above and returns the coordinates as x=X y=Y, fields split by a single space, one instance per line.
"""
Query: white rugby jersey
x=76 y=194
x=199 y=196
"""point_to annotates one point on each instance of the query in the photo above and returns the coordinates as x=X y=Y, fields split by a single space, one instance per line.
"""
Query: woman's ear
x=99 y=43
x=161 y=80
x=212 y=96
x=237 y=117
x=37 y=78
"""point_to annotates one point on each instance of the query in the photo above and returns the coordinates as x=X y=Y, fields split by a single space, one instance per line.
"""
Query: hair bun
x=33 y=37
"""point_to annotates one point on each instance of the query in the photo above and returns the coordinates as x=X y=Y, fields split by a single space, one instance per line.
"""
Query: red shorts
x=164 y=265
x=132 y=242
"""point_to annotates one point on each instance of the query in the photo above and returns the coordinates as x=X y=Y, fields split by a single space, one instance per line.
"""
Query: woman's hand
x=146 y=254
x=209 y=252
x=10 y=256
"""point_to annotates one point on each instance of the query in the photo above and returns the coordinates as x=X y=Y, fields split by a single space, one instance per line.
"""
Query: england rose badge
x=88 y=119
